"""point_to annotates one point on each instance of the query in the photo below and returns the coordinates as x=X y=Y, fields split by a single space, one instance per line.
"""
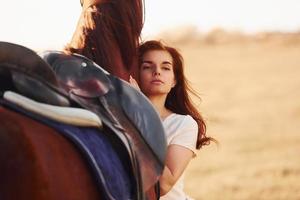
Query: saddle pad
x=112 y=178
x=67 y=115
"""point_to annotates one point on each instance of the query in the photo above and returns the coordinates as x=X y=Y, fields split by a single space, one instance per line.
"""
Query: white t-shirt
x=180 y=130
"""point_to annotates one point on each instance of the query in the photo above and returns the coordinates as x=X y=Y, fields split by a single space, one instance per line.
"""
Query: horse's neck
x=117 y=66
x=111 y=60
x=119 y=69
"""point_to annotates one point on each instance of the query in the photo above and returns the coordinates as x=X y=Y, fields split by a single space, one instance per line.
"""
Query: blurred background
x=243 y=58
x=250 y=91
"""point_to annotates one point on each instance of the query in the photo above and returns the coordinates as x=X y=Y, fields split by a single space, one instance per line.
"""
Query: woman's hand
x=133 y=83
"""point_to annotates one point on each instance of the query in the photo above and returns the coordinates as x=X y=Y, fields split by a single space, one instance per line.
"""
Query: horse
x=37 y=160
x=33 y=148
x=27 y=141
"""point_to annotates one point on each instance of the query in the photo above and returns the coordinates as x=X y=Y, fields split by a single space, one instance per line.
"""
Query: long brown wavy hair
x=108 y=32
x=178 y=99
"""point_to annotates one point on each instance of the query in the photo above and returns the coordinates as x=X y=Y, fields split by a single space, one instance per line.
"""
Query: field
x=250 y=97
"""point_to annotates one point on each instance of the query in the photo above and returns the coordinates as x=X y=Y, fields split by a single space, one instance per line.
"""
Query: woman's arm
x=177 y=160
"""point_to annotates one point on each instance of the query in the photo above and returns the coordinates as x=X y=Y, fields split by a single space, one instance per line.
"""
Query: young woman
x=162 y=80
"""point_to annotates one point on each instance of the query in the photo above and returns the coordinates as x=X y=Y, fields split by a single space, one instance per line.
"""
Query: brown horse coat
x=38 y=163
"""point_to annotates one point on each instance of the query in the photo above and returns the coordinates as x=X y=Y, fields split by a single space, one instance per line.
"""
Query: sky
x=49 y=24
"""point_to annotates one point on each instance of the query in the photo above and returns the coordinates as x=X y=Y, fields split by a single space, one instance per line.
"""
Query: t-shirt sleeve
x=187 y=134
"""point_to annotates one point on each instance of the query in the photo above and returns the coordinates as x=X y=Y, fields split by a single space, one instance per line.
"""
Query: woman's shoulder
x=185 y=132
x=190 y=122
x=187 y=119
x=183 y=120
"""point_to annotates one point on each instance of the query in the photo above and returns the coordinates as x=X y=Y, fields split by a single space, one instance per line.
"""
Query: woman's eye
x=166 y=68
x=145 y=67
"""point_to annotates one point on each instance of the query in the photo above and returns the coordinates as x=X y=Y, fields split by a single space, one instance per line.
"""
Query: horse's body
x=35 y=158
x=36 y=162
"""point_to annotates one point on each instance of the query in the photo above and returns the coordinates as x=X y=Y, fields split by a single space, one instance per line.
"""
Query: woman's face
x=156 y=73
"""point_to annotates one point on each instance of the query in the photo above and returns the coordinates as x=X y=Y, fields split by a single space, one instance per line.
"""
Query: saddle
x=74 y=80
x=122 y=108
x=84 y=80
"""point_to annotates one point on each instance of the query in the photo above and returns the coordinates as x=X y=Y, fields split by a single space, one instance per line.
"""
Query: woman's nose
x=156 y=71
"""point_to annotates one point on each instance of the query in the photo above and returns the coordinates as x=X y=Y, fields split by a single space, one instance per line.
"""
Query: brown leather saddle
x=74 y=80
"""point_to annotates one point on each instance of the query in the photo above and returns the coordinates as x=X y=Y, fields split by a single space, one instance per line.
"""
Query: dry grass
x=250 y=92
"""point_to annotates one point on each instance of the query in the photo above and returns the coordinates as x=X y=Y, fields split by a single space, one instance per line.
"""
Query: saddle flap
x=140 y=111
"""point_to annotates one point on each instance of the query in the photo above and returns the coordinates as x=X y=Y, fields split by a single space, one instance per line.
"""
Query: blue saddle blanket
x=112 y=177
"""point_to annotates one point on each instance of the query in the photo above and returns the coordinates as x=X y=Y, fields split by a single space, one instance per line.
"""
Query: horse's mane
x=108 y=33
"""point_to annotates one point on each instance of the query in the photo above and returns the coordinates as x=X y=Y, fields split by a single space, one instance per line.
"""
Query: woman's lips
x=157 y=82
